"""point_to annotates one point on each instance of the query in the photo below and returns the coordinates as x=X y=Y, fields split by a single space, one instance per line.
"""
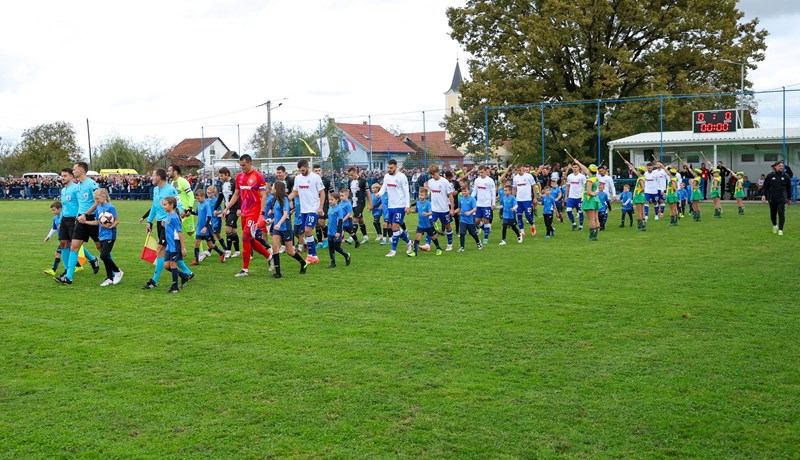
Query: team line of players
x=319 y=213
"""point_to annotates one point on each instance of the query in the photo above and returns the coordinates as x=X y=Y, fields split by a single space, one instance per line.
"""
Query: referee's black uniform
x=777 y=190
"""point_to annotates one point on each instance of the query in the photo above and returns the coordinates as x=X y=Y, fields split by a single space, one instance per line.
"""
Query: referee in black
x=778 y=191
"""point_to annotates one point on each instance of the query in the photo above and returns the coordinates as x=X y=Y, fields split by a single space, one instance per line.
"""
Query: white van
x=41 y=175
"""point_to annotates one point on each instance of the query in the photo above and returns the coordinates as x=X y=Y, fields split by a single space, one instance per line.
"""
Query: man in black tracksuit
x=778 y=191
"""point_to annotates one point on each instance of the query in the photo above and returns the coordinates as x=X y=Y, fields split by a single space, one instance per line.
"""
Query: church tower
x=452 y=97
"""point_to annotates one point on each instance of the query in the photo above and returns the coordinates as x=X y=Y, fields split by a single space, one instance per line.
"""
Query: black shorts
x=286 y=235
x=66 y=229
x=358 y=211
x=426 y=231
x=161 y=232
x=231 y=219
x=85 y=232
x=173 y=256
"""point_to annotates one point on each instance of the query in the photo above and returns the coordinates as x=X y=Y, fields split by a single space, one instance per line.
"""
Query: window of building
x=692 y=159
x=770 y=157
x=748 y=158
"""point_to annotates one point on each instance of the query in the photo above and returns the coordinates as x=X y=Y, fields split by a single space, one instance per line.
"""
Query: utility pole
x=269 y=129
x=269 y=123
x=89 y=135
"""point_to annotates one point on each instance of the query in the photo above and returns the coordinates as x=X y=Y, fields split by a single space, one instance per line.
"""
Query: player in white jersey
x=485 y=192
x=605 y=178
x=575 y=184
x=308 y=187
x=442 y=202
x=523 y=188
x=650 y=191
x=661 y=178
x=395 y=186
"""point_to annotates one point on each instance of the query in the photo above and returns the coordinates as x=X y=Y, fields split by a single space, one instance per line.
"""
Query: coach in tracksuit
x=778 y=191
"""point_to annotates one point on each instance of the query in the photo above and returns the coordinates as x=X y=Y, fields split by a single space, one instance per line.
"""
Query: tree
x=7 y=148
x=117 y=152
x=557 y=50
x=292 y=143
x=48 y=148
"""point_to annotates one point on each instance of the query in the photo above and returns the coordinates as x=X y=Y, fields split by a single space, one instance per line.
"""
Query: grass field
x=677 y=342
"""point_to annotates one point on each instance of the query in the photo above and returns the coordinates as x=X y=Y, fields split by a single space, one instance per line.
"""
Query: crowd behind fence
x=139 y=187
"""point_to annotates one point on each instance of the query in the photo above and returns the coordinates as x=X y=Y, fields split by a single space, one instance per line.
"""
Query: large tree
x=553 y=51
x=47 y=148
x=117 y=152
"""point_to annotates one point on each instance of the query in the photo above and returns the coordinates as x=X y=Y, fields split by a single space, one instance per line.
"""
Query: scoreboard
x=714 y=121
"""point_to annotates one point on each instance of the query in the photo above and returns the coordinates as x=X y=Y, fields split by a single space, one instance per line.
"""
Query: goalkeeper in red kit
x=251 y=193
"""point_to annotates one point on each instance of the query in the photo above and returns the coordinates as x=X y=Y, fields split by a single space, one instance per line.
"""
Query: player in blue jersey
x=558 y=196
x=349 y=213
x=627 y=204
x=683 y=196
x=282 y=228
x=467 y=207
x=509 y=204
x=335 y=229
x=424 y=223
x=387 y=226
x=216 y=221
x=157 y=215
x=175 y=248
x=605 y=205
x=377 y=213
x=55 y=208
x=298 y=224
x=548 y=209
x=82 y=232
x=107 y=235
x=205 y=228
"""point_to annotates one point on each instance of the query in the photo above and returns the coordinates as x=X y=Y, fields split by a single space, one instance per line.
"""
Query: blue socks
x=182 y=266
x=73 y=260
x=569 y=214
x=159 y=268
x=580 y=217
x=450 y=238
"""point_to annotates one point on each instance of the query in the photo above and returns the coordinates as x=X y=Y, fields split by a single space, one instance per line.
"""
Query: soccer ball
x=106 y=218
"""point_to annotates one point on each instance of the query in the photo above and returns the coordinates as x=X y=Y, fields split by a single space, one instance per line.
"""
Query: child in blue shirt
x=377 y=212
x=548 y=208
x=558 y=197
x=509 y=205
x=605 y=205
x=299 y=229
x=387 y=228
x=282 y=229
x=106 y=234
x=683 y=196
x=336 y=217
x=205 y=228
x=216 y=220
x=467 y=207
x=627 y=204
x=424 y=224
x=56 y=209
x=176 y=246
x=347 y=207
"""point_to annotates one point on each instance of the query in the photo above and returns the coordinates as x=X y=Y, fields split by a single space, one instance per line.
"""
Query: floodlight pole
x=740 y=102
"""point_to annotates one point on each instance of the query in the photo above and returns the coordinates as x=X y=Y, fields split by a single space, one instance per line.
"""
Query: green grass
x=678 y=342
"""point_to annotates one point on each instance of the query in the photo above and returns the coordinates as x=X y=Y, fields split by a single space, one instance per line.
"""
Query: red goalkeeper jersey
x=250 y=187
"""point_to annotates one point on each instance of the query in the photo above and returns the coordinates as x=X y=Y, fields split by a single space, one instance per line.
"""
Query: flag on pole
x=324 y=147
x=150 y=250
x=308 y=146
x=82 y=256
x=349 y=145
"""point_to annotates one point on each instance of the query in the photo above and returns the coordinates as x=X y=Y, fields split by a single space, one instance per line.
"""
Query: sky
x=180 y=68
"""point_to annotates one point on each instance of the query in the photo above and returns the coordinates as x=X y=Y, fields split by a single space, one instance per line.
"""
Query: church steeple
x=452 y=97
x=455 y=86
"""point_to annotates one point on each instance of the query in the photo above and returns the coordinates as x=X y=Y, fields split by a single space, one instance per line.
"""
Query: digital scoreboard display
x=714 y=121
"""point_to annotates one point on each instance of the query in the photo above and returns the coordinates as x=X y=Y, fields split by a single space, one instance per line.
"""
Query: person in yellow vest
x=639 y=198
x=716 y=192
x=591 y=205
x=738 y=189
x=186 y=195
x=672 y=193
